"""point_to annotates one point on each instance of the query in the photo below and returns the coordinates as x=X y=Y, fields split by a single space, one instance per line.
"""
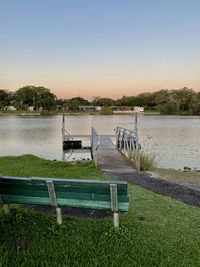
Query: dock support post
x=114 y=204
x=59 y=215
x=6 y=208
x=138 y=156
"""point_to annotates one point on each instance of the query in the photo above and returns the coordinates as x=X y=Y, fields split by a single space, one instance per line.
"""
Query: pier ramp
x=110 y=160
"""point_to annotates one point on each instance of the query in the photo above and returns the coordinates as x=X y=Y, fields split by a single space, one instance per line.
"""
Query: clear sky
x=107 y=48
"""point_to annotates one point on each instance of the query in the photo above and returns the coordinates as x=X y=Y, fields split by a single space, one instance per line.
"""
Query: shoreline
x=36 y=113
x=162 y=186
x=189 y=179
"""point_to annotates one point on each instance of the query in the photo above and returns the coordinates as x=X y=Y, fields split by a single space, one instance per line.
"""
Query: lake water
x=174 y=139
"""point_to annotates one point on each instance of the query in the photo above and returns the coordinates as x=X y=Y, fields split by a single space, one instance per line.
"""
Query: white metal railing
x=95 y=141
x=127 y=142
x=66 y=136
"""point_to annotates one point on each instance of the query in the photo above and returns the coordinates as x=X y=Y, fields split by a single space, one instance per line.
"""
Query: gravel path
x=163 y=187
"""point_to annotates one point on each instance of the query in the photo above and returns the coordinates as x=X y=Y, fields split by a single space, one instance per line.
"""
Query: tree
x=194 y=106
x=74 y=103
x=161 y=97
x=35 y=96
x=182 y=98
x=81 y=101
x=148 y=100
x=168 y=109
x=130 y=101
x=98 y=101
x=5 y=98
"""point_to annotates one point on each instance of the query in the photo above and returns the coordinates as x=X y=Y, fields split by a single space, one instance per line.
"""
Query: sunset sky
x=107 y=48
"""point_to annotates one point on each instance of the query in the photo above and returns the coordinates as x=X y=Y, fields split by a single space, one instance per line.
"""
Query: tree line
x=182 y=101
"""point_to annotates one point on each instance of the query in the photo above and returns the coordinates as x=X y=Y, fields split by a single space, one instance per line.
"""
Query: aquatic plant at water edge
x=147 y=157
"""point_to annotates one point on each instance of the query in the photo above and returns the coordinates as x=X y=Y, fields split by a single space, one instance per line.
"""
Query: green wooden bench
x=93 y=194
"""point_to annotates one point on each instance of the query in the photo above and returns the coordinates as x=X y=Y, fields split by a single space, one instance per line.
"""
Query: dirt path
x=189 y=179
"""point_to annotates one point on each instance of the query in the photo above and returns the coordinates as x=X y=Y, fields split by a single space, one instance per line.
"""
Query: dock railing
x=128 y=143
x=95 y=142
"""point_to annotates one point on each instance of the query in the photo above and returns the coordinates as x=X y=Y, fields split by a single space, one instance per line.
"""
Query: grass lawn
x=157 y=231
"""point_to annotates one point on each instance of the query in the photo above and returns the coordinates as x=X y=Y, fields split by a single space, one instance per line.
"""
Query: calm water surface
x=174 y=139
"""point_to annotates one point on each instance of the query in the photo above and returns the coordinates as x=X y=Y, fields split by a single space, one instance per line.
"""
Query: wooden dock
x=110 y=160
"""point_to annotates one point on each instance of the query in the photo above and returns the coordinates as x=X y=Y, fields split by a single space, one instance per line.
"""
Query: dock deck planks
x=110 y=160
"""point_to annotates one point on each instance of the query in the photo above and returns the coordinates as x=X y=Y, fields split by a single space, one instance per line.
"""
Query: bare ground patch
x=189 y=179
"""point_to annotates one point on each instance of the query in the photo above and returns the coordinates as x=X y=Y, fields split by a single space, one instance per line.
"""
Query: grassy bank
x=29 y=165
x=157 y=231
x=28 y=113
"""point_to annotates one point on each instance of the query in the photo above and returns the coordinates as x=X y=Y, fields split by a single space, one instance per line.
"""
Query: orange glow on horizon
x=112 y=86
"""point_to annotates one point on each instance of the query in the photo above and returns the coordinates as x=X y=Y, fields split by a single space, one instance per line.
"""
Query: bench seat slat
x=60 y=180
x=67 y=195
x=64 y=202
x=63 y=188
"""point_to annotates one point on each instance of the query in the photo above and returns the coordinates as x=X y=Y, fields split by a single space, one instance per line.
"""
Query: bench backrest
x=93 y=194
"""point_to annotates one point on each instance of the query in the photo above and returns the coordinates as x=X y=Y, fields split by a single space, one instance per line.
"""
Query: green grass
x=29 y=165
x=157 y=231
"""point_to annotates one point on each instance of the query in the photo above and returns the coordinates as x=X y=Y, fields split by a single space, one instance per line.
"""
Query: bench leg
x=6 y=208
x=116 y=219
x=59 y=215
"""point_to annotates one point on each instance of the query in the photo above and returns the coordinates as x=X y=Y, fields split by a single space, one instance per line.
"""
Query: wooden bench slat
x=43 y=180
x=67 y=195
x=63 y=188
x=64 y=202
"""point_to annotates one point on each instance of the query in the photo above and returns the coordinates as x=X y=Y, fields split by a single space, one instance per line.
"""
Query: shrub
x=147 y=158
x=147 y=161
x=168 y=109
x=106 y=111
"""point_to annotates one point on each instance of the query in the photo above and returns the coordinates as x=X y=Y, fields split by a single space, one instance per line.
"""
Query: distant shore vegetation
x=31 y=98
x=106 y=111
